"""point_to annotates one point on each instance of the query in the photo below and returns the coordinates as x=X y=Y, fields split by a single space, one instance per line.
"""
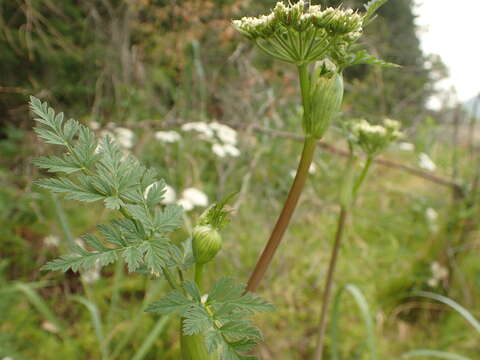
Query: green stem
x=329 y=282
x=285 y=216
x=169 y=278
x=117 y=283
x=362 y=177
x=199 y=275
x=305 y=87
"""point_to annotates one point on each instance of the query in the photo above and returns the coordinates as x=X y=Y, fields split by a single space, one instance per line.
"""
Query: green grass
x=389 y=247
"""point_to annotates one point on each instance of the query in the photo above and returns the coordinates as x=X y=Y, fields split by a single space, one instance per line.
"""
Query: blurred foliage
x=157 y=56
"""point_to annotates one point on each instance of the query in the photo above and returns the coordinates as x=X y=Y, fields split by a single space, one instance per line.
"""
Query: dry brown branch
x=437 y=179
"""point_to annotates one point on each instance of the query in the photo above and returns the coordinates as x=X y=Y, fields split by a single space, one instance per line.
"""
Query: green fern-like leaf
x=371 y=8
x=103 y=172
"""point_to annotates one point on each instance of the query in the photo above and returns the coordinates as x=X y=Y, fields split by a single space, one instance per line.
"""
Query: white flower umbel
x=426 y=163
x=195 y=196
x=298 y=35
x=373 y=139
x=203 y=128
x=431 y=214
x=92 y=275
x=124 y=137
x=439 y=273
x=94 y=125
x=406 y=146
x=186 y=204
x=219 y=150
x=51 y=241
x=167 y=136
x=225 y=150
x=225 y=133
x=169 y=196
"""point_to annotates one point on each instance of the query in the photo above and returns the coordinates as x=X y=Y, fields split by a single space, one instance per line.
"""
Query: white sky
x=451 y=29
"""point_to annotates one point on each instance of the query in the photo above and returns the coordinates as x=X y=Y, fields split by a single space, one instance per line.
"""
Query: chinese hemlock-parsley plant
x=214 y=325
x=321 y=43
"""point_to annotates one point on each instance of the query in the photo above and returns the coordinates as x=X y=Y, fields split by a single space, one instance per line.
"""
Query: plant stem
x=346 y=203
x=281 y=225
x=362 y=176
x=199 y=275
x=329 y=282
x=305 y=88
x=169 y=278
x=285 y=216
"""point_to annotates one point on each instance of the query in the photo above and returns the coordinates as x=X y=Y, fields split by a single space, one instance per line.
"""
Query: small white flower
x=231 y=150
x=167 y=136
x=94 y=125
x=195 y=196
x=406 y=146
x=201 y=127
x=92 y=275
x=48 y=326
x=169 y=196
x=225 y=150
x=225 y=133
x=439 y=273
x=124 y=137
x=204 y=298
x=432 y=282
x=219 y=150
x=51 y=241
x=426 y=163
x=186 y=204
x=431 y=214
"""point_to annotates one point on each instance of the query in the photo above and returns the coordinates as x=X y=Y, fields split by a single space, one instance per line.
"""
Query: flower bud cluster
x=334 y=20
x=372 y=139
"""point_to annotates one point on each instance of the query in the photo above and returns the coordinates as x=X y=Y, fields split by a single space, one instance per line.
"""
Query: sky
x=451 y=29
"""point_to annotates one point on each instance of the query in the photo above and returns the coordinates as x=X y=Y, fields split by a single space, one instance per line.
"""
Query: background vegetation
x=154 y=65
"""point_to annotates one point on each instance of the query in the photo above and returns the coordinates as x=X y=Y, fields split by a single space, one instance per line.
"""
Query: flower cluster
x=167 y=136
x=439 y=274
x=222 y=137
x=426 y=163
x=299 y=35
x=372 y=139
x=192 y=197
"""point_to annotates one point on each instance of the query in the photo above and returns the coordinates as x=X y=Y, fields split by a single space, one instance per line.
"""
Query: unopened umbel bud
x=326 y=100
x=206 y=243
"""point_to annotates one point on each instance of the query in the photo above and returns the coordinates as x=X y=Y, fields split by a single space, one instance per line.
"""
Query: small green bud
x=206 y=243
x=326 y=98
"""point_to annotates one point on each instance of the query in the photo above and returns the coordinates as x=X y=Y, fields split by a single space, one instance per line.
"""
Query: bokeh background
x=146 y=70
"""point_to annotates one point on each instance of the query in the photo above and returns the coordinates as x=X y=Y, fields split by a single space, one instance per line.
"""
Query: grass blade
x=433 y=353
x=366 y=315
x=97 y=323
x=454 y=305
x=41 y=306
x=150 y=340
